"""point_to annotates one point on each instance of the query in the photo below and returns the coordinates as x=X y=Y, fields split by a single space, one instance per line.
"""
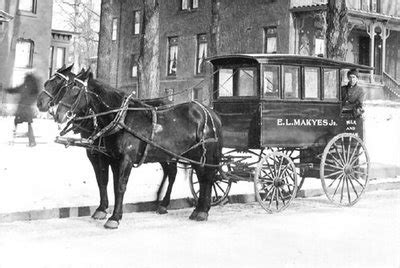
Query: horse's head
x=75 y=100
x=54 y=88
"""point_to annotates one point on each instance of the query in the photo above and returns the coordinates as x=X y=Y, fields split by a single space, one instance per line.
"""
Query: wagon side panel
x=304 y=124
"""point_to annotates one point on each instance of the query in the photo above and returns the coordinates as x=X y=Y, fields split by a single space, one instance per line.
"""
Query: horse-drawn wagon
x=282 y=121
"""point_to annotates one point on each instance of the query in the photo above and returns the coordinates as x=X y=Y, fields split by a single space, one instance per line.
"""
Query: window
x=136 y=26
x=134 y=69
x=331 y=84
x=51 y=54
x=201 y=53
x=172 y=55
x=311 y=83
x=271 y=81
x=23 y=53
x=189 y=4
x=60 y=60
x=291 y=82
x=270 y=40
x=225 y=83
x=319 y=47
x=197 y=94
x=237 y=82
x=27 y=5
x=114 y=29
x=170 y=93
x=23 y=60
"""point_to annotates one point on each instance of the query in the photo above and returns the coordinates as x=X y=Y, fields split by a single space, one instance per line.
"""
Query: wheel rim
x=344 y=169
x=219 y=190
x=275 y=182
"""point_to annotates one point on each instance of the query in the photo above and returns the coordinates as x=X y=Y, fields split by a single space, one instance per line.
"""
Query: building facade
x=26 y=42
x=191 y=30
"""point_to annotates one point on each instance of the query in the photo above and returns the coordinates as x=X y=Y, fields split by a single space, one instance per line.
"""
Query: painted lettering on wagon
x=306 y=122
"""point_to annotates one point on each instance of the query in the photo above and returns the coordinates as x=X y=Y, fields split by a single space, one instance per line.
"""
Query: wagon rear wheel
x=275 y=181
x=220 y=188
x=344 y=169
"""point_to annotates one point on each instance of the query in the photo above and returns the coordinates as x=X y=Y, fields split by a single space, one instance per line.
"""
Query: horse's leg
x=100 y=167
x=122 y=170
x=170 y=169
x=205 y=176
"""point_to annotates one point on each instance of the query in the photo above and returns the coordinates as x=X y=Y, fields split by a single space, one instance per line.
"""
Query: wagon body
x=266 y=114
x=282 y=118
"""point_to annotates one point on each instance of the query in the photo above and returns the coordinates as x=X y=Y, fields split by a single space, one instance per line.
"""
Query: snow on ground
x=51 y=176
x=310 y=233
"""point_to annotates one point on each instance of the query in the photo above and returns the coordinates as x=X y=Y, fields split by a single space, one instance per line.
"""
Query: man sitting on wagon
x=353 y=95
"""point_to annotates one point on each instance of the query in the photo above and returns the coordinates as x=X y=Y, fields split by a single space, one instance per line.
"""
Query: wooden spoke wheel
x=294 y=154
x=275 y=181
x=344 y=169
x=220 y=188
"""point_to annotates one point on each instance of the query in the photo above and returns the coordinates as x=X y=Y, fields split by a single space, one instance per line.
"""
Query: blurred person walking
x=25 y=112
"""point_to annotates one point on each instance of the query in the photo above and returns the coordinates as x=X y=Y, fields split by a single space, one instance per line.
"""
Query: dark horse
x=54 y=90
x=187 y=131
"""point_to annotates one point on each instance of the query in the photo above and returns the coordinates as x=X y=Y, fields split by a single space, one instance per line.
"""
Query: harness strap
x=153 y=130
x=202 y=143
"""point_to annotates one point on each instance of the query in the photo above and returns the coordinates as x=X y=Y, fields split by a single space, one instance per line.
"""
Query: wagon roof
x=283 y=59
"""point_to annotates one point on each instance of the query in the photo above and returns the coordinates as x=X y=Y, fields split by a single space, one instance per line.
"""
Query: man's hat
x=352 y=72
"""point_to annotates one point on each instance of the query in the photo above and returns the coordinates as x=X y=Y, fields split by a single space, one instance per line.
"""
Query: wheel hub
x=279 y=182
x=348 y=169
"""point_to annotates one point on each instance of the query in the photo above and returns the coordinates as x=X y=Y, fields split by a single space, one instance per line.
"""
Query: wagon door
x=237 y=102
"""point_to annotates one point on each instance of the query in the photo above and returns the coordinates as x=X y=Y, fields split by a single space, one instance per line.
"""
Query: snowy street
x=310 y=233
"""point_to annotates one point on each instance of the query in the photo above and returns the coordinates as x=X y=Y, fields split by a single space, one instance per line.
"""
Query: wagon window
x=311 y=83
x=237 y=82
x=331 y=80
x=291 y=82
x=271 y=81
x=225 y=83
x=245 y=85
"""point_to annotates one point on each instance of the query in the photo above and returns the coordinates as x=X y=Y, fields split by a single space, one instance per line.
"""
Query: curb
x=84 y=211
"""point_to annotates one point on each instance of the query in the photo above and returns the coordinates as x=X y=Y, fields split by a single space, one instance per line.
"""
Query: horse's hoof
x=111 y=224
x=162 y=210
x=201 y=216
x=99 y=215
x=193 y=215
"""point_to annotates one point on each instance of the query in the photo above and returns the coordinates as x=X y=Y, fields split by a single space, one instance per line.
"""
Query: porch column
x=385 y=34
x=371 y=33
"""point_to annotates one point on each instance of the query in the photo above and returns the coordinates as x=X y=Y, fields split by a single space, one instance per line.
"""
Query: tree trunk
x=148 y=62
x=338 y=29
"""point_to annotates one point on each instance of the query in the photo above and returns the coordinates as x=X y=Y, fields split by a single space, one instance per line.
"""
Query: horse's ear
x=90 y=76
x=62 y=69
x=69 y=68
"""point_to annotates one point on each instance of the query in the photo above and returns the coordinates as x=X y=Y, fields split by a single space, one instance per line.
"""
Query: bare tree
x=81 y=18
x=338 y=29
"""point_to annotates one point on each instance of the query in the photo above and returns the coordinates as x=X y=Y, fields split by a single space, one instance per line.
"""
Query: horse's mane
x=110 y=95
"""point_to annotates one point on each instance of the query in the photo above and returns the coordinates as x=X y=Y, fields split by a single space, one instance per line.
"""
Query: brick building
x=190 y=30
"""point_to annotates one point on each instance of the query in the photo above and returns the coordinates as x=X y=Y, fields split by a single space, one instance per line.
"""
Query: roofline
x=265 y=58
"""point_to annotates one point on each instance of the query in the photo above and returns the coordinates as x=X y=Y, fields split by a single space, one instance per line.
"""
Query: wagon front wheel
x=344 y=169
x=220 y=188
x=275 y=182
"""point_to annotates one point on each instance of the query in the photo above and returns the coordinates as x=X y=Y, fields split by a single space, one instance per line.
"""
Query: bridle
x=64 y=83
x=82 y=93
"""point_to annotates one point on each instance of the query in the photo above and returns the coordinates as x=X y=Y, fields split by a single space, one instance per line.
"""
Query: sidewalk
x=50 y=181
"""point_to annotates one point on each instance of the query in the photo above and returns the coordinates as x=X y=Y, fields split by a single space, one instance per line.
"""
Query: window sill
x=187 y=11
x=26 y=13
x=170 y=77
